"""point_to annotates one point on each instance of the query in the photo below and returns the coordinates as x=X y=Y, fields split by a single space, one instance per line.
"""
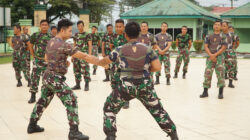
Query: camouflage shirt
x=57 y=52
x=40 y=40
x=107 y=40
x=163 y=39
x=81 y=40
x=215 y=42
x=118 y=40
x=134 y=60
x=236 y=38
x=147 y=39
x=95 y=38
x=19 y=43
x=230 y=40
x=183 y=41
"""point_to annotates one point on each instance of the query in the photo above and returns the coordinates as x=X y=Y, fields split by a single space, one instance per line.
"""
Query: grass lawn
x=5 y=59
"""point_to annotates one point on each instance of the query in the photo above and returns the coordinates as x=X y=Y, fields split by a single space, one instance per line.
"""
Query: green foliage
x=174 y=45
x=198 y=45
x=5 y=59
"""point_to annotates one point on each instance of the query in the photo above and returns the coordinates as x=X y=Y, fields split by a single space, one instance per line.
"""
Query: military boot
x=226 y=76
x=176 y=75
x=86 y=88
x=32 y=98
x=75 y=134
x=19 y=83
x=107 y=76
x=220 y=93
x=77 y=86
x=168 y=81
x=34 y=128
x=205 y=93
x=94 y=72
x=29 y=83
x=231 y=84
x=173 y=136
x=235 y=76
x=157 y=82
x=126 y=105
x=111 y=136
x=184 y=75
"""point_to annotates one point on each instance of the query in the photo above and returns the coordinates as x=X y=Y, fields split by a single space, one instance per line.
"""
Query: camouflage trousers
x=165 y=59
x=39 y=66
x=230 y=63
x=183 y=54
x=28 y=60
x=19 y=65
x=95 y=53
x=115 y=76
x=81 y=67
x=144 y=92
x=55 y=84
x=107 y=51
x=219 y=70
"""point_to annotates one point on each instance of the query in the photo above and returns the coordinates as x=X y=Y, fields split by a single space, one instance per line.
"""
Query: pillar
x=84 y=16
x=39 y=14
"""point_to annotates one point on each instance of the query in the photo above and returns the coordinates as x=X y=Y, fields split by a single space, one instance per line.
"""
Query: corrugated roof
x=240 y=12
x=169 y=9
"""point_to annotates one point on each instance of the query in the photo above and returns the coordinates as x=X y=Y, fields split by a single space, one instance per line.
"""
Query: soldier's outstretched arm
x=155 y=65
x=90 y=47
x=103 y=53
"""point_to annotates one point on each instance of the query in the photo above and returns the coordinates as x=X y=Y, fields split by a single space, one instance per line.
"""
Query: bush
x=198 y=45
x=174 y=45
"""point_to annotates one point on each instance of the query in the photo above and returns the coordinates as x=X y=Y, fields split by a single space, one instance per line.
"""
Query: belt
x=135 y=81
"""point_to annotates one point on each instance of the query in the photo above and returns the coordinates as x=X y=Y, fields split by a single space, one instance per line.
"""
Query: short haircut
x=94 y=27
x=18 y=26
x=53 y=27
x=164 y=23
x=217 y=21
x=119 y=21
x=44 y=20
x=25 y=27
x=145 y=22
x=184 y=26
x=80 y=22
x=132 y=29
x=231 y=27
x=225 y=22
x=64 y=24
x=109 y=25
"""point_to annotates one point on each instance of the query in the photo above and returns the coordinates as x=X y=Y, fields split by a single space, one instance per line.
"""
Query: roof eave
x=235 y=16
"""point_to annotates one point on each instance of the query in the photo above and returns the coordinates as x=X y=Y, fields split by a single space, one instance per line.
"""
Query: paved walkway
x=196 y=119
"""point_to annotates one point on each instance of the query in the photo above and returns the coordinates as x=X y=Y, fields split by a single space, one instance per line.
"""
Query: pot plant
x=198 y=45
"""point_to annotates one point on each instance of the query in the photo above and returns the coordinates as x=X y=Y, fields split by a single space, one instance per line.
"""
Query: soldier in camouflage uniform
x=95 y=44
x=236 y=45
x=229 y=54
x=215 y=45
x=53 y=31
x=164 y=41
x=38 y=40
x=135 y=60
x=184 y=43
x=57 y=52
x=80 y=67
x=25 y=31
x=106 y=49
x=19 y=55
x=118 y=40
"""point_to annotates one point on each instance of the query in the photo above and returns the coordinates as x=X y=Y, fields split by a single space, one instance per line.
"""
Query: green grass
x=5 y=60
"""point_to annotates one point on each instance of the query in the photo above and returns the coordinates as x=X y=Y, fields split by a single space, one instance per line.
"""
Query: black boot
x=235 y=76
x=94 y=72
x=226 y=76
x=32 y=98
x=157 y=82
x=29 y=83
x=107 y=77
x=86 y=88
x=173 y=136
x=33 y=128
x=231 y=83
x=205 y=93
x=168 y=81
x=77 y=86
x=220 y=93
x=19 y=83
x=184 y=75
x=75 y=134
x=110 y=136
x=176 y=75
x=126 y=105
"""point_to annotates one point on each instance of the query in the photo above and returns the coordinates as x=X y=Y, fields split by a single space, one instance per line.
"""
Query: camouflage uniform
x=107 y=39
x=162 y=41
x=230 y=56
x=81 y=67
x=19 y=56
x=215 y=42
x=134 y=61
x=236 y=39
x=183 y=52
x=54 y=81
x=28 y=56
x=39 y=40
x=117 y=40
x=95 y=39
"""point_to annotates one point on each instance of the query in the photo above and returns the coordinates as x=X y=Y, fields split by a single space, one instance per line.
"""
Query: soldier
x=19 y=55
x=81 y=67
x=106 y=48
x=118 y=40
x=136 y=60
x=184 y=43
x=215 y=45
x=164 y=41
x=25 y=32
x=96 y=41
x=38 y=40
x=57 y=52
x=53 y=31
x=236 y=45
x=230 y=55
